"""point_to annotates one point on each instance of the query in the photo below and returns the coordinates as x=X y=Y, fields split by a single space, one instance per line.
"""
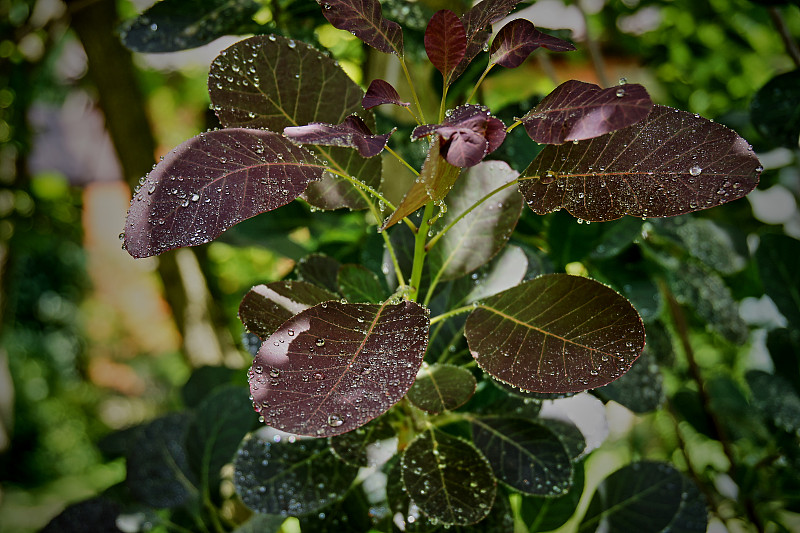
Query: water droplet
x=695 y=170
x=335 y=420
x=275 y=373
x=195 y=197
x=320 y=342
x=290 y=333
x=620 y=93
x=623 y=81
x=319 y=376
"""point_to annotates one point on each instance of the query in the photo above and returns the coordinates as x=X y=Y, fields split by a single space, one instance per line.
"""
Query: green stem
x=399 y=273
x=419 y=252
x=443 y=104
x=452 y=312
x=402 y=160
x=362 y=186
x=514 y=125
x=413 y=90
x=480 y=80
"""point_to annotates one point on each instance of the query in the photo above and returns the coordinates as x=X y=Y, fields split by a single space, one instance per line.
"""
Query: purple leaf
x=272 y=86
x=670 y=163
x=516 y=40
x=211 y=182
x=381 y=92
x=445 y=42
x=364 y=19
x=468 y=135
x=555 y=333
x=336 y=366
x=352 y=133
x=576 y=111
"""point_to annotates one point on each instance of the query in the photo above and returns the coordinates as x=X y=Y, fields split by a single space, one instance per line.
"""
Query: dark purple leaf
x=336 y=366
x=475 y=21
x=671 y=163
x=516 y=40
x=211 y=182
x=435 y=180
x=381 y=92
x=319 y=269
x=477 y=237
x=555 y=333
x=448 y=478
x=277 y=82
x=445 y=42
x=352 y=133
x=364 y=19
x=265 y=307
x=576 y=111
x=441 y=388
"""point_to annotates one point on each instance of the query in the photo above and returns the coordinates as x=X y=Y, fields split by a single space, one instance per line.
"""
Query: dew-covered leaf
x=445 y=42
x=219 y=424
x=555 y=333
x=485 y=230
x=777 y=263
x=547 y=514
x=336 y=366
x=319 y=269
x=351 y=514
x=364 y=19
x=265 y=307
x=381 y=92
x=441 y=388
x=352 y=133
x=670 y=163
x=96 y=514
x=526 y=456
x=646 y=497
x=172 y=25
x=362 y=446
x=776 y=399
x=158 y=472
x=360 y=285
x=289 y=478
x=569 y=435
x=278 y=82
x=775 y=109
x=577 y=110
x=516 y=40
x=641 y=389
x=706 y=240
x=434 y=182
x=211 y=182
x=448 y=478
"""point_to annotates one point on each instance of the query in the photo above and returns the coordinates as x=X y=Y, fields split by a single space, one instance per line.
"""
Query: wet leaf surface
x=172 y=25
x=713 y=245
x=334 y=367
x=440 y=388
x=518 y=39
x=351 y=514
x=484 y=231
x=468 y=134
x=569 y=435
x=361 y=447
x=448 y=479
x=555 y=333
x=549 y=513
x=445 y=42
x=352 y=133
x=381 y=92
x=641 y=389
x=319 y=269
x=670 y=163
x=577 y=110
x=360 y=285
x=212 y=182
x=365 y=20
x=265 y=307
x=277 y=82
x=289 y=478
x=526 y=456
x=776 y=399
x=648 y=497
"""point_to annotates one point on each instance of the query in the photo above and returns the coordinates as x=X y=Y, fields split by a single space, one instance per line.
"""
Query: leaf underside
x=518 y=39
x=381 y=92
x=365 y=20
x=670 y=163
x=445 y=41
x=555 y=333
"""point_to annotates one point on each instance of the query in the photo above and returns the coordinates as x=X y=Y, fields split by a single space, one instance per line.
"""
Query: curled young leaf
x=445 y=42
x=576 y=111
x=336 y=366
x=516 y=40
x=670 y=163
x=381 y=92
x=364 y=19
x=211 y=182
x=555 y=333
x=468 y=135
x=352 y=133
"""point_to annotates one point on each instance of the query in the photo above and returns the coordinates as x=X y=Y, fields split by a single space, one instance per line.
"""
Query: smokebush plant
x=408 y=397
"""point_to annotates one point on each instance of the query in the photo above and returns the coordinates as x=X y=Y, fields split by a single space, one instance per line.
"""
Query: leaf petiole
x=420 y=251
x=402 y=160
x=480 y=80
x=452 y=312
x=514 y=125
x=413 y=90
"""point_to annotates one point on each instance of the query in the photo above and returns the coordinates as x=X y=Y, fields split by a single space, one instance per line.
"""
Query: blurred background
x=92 y=341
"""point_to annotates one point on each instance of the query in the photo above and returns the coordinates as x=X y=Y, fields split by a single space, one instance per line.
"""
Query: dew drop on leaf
x=335 y=420
x=695 y=170
x=320 y=342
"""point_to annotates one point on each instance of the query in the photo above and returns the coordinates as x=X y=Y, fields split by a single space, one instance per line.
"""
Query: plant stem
x=480 y=80
x=452 y=312
x=402 y=160
x=443 y=104
x=420 y=252
x=514 y=125
x=786 y=36
x=413 y=90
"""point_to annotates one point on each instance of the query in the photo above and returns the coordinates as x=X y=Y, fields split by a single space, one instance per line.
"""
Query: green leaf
x=776 y=399
x=784 y=345
x=289 y=478
x=448 y=478
x=711 y=244
x=157 y=464
x=319 y=269
x=172 y=25
x=556 y=333
x=351 y=514
x=507 y=269
x=362 y=446
x=646 y=497
x=777 y=263
x=441 y=388
x=360 y=285
x=205 y=379
x=569 y=435
x=546 y=514
x=218 y=426
x=526 y=456
x=261 y=523
x=483 y=232
x=641 y=389
x=278 y=82
x=265 y=307
x=775 y=109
